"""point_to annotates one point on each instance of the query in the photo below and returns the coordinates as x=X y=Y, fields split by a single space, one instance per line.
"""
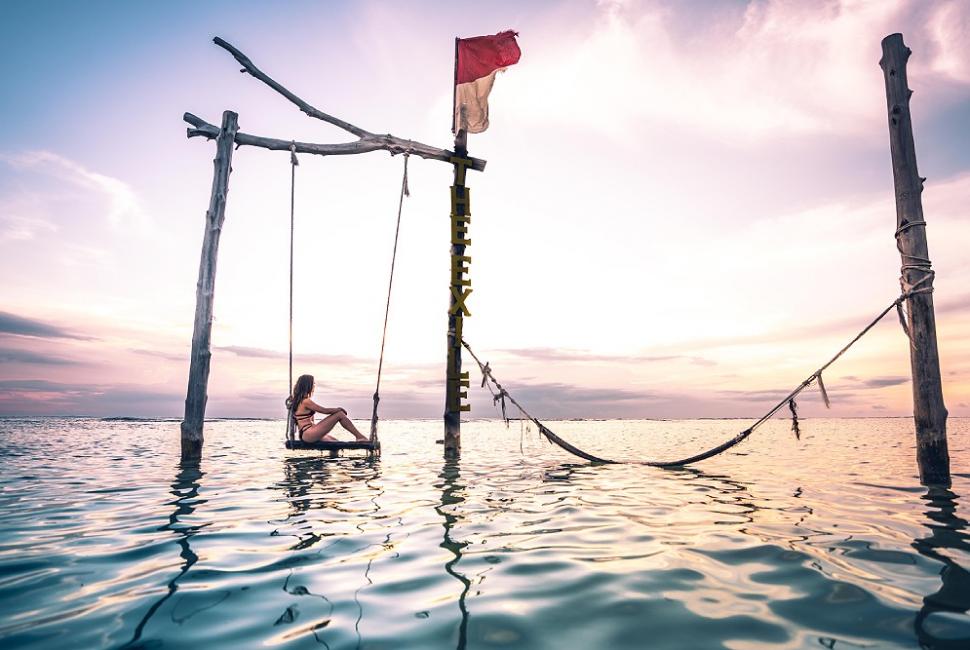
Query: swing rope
x=405 y=191
x=499 y=394
x=293 y=163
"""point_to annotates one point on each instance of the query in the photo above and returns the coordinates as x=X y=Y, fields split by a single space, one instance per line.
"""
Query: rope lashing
x=405 y=191
x=910 y=290
x=293 y=164
x=909 y=224
x=914 y=264
x=793 y=407
x=487 y=376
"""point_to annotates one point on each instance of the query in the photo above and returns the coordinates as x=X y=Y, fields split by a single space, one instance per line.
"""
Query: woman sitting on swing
x=302 y=409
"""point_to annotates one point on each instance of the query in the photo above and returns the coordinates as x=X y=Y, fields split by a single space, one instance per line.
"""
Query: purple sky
x=688 y=205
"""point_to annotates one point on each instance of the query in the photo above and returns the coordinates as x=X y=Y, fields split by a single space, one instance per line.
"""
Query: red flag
x=478 y=60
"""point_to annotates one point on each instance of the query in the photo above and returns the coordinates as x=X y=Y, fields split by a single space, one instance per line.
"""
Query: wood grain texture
x=335 y=445
x=196 y=394
x=928 y=409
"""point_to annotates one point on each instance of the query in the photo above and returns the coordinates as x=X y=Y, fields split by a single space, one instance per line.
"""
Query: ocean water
x=108 y=541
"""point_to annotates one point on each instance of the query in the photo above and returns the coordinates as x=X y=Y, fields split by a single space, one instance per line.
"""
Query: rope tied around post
x=916 y=264
x=789 y=400
x=405 y=191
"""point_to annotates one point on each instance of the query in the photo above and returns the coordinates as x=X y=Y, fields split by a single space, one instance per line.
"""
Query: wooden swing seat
x=334 y=447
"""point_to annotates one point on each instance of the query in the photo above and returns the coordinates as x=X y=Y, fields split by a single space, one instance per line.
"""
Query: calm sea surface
x=107 y=541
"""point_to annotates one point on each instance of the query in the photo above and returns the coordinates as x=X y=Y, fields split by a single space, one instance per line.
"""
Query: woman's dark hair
x=301 y=390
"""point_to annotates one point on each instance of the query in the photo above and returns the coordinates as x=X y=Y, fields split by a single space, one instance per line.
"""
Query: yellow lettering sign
x=465 y=200
x=458 y=269
x=458 y=231
x=460 y=296
x=460 y=165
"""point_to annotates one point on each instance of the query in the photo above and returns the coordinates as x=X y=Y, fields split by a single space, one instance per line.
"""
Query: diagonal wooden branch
x=367 y=141
x=249 y=67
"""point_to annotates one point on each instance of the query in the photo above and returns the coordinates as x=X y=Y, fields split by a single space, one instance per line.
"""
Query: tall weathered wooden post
x=929 y=411
x=196 y=396
x=460 y=286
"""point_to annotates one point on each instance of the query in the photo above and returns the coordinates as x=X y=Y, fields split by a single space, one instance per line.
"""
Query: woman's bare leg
x=321 y=430
x=346 y=423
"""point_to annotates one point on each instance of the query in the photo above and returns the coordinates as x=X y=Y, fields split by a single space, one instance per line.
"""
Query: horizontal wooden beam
x=371 y=142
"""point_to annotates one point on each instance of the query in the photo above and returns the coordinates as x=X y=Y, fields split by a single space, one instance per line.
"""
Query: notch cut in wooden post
x=929 y=412
x=196 y=394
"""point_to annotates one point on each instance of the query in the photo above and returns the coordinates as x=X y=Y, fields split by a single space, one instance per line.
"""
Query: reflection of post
x=450 y=496
x=186 y=490
x=948 y=532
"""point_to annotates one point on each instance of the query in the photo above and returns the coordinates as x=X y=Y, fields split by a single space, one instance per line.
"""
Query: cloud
x=13 y=355
x=265 y=353
x=582 y=356
x=955 y=304
x=572 y=393
x=21 y=326
x=19 y=228
x=123 y=204
x=949 y=27
x=882 y=382
x=837 y=390
x=40 y=397
x=565 y=400
x=168 y=356
x=773 y=67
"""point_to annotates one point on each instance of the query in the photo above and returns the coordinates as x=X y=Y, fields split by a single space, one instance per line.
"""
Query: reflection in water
x=560 y=553
x=185 y=488
x=301 y=473
x=948 y=532
x=452 y=495
x=318 y=483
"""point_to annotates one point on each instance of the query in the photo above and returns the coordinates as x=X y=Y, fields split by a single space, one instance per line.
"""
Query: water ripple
x=108 y=540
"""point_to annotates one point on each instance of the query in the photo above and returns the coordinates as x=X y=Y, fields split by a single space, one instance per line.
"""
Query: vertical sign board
x=460 y=286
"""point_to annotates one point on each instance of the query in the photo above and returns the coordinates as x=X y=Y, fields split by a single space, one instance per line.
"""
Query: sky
x=687 y=208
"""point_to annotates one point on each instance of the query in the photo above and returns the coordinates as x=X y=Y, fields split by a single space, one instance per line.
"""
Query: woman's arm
x=313 y=406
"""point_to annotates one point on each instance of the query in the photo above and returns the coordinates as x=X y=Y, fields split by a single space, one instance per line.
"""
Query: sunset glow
x=688 y=206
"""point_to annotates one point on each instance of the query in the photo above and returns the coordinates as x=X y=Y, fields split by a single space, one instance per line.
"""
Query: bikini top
x=302 y=416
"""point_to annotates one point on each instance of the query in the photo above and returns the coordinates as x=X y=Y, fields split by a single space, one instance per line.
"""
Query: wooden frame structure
x=916 y=279
x=228 y=137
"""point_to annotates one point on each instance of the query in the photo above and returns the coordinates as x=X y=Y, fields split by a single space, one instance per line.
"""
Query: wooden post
x=195 y=398
x=459 y=286
x=928 y=409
